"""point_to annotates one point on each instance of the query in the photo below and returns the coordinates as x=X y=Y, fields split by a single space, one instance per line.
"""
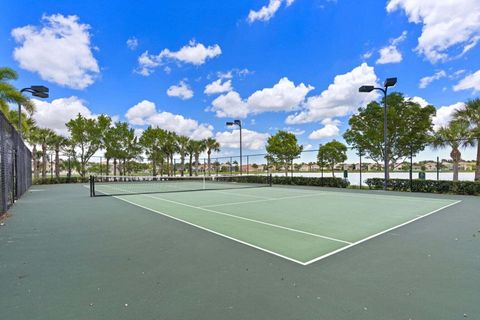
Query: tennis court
x=300 y=225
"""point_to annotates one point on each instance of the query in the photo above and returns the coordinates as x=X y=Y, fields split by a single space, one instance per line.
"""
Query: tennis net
x=125 y=185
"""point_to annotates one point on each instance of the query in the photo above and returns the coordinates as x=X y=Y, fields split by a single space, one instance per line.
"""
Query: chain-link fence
x=15 y=165
x=430 y=164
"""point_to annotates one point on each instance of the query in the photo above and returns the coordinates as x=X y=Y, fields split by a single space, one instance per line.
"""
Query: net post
x=270 y=180
x=92 y=187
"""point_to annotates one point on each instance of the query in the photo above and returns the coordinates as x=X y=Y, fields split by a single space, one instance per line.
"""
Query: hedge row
x=311 y=181
x=430 y=186
x=60 y=180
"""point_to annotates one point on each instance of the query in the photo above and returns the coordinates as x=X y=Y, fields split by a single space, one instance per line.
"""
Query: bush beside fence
x=60 y=180
x=429 y=186
x=309 y=181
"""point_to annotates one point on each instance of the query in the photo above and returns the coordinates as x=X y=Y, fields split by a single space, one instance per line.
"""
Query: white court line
x=378 y=234
x=261 y=200
x=214 y=232
x=248 y=219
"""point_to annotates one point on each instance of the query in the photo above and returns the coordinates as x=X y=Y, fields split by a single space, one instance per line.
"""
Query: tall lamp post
x=390 y=82
x=239 y=124
x=36 y=91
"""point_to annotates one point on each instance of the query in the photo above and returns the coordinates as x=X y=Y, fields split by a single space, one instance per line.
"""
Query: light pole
x=390 y=82
x=36 y=91
x=239 y=124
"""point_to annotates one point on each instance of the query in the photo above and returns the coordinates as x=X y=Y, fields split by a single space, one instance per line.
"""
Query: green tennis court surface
x=65 y=255
x=300 y=225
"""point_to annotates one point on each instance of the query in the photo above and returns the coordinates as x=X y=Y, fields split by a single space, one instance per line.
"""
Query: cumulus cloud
x=146 y=113
x=471 y=81
x=390 y=53
x=218 y=86
x=192 y=53
x=182 y=91
x=283 y=96
x=445 y=114
x=329 y=130
x=446 y=25
x=132 y=43
x=340 y=98
x=422 y=102
x=55 y=114
x=229 y=105
x=59 y=51
x=268 y=11
x=251 y=140
x=425 y=81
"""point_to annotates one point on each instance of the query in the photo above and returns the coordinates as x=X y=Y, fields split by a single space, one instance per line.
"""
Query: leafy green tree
x=456 y=135
x=87 y=136
x=471 y=114
x=211 y=145
x=409 y=127
x=282 y=148
x=152 y=141
x=10 y=94
x=332 y=153
x=34 y=139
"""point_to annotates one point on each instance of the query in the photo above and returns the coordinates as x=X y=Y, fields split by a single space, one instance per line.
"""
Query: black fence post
x=411 y=168
x=360 y=155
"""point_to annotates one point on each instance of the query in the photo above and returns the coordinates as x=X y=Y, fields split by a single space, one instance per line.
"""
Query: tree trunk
x=477 y=169
x=333 y=170
x=190 y=168
x=171 y=162
x=456 y=157
x=107 y=169
x=197 y=156
x=44 y=160
x=154 y=168
x=455 y=171
x=34 y=158
x=182 y=164
x=208 y=161
x=57 y=162
x=114 y=166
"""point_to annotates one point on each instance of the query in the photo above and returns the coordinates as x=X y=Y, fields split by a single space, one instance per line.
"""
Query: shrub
x=60 y=180
x=429 y=186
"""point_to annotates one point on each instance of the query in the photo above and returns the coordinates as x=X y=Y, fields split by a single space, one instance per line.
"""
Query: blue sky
x=276 y=64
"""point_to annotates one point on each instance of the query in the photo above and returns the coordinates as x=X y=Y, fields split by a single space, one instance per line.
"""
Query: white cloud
x=132 y=43
x=340 y=98
x=55 y=114
x=329 y=130
x=283 y=96
x=367 y=55
x=138 y=114
x=471 y=81
x=192 y=53
x=425 y=81
x=445 y=114
x=145 y=113
x=59 y=51
x=251 y=140
x=446 y=25
x=422 y=102
x=268 y=11
x=229 y=105
x=390 y=53
x=218 y=87
x=182 y=91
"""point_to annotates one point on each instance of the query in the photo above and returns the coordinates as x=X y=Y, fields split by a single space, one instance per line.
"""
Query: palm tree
x=183 y=142
x=198 y=146
x=10 y=94
x=45 y=136
x=170 y=147
x=211 y=145
x=471 y=115
x=57 y=142
x=33 y=138
x=191 y=151
x=455 y=136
